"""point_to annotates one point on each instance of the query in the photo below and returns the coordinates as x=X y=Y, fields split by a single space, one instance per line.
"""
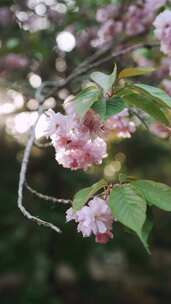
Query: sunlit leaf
x=103 y=80
x=130 y=72
x=156 y=94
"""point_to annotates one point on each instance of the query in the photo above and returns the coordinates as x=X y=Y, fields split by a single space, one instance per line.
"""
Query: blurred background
x=45 y=40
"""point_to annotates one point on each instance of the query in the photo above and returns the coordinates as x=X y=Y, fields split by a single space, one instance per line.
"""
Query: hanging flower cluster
x=76 y=142
x=95 y=218
x=81 y=143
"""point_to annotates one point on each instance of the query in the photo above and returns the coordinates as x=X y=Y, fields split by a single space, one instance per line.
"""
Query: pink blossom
x=137 y=20
x=93 y=124
x=162 y=31
x=82 y=156
x=78 y=143
x=48 y=123
x=107 y=32
x=120 y=125
x=95 y=218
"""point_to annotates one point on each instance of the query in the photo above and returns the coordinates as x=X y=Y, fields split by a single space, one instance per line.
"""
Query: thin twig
x=47 y=197
x=22 y=178
x=121 y=52
x=84 y=69
x=96 y=55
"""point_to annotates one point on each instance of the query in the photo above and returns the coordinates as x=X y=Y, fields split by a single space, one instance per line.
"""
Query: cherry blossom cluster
x=76 y=143
x=93 y=219
x=81 y=143
x=135 y=20
x=110 y=25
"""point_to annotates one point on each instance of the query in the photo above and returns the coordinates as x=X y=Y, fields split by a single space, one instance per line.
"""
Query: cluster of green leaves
x=110 y=94
x=131 y=203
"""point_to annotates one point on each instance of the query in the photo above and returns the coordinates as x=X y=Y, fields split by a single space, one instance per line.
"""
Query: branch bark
x=47 y=197
x=22 y=178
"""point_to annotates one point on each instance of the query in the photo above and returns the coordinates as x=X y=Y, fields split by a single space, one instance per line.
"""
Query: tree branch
x=47 y=197
x=22 y=178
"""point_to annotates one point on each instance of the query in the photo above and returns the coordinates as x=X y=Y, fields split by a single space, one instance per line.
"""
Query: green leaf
x=147 y=227
x=155 y=193
x=128 y=207
x=100 y=108
x=147 y=104
x=82 y=196
x=114 y=106
x=103 y=80
x=156 y=93
x=85 y=100
x=108 y=108
x=130 y=72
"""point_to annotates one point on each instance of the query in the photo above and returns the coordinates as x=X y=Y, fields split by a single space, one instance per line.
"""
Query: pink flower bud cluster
x=120 y=125
x=162 y=31
x=93 y=219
